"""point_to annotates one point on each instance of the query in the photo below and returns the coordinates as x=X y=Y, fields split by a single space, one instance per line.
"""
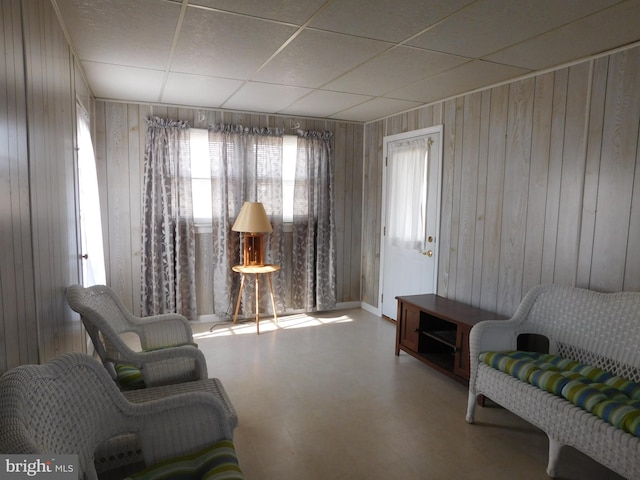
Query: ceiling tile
x=315 y=57
x=268 y=56
x=197 y=90
x=123 y=83
x=490 y=25
x=225 y=45
x=595 y=35
x=293 y=11
x=324 y=103
x=394 y=69
x=465 y=78
x=374 y=109
x=264 y=97
x=137 y=34
x=388 y=20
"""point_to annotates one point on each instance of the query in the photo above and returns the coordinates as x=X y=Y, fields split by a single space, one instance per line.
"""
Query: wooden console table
x=435 y=330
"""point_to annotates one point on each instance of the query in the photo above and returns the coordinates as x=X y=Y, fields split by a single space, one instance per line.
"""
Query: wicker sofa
x=584 y=328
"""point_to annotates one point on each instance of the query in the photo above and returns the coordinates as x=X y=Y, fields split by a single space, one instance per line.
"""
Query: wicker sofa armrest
x=503 y=335
x=491 y=335
x=494 y=335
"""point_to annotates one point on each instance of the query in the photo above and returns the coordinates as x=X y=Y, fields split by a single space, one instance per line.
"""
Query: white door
x=411 y=215
x=92 y=256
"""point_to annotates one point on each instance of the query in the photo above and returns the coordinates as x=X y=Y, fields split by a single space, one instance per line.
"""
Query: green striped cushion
x=129 y=377
x=632 y=422
x=560 y=362
x=612 y=393
x=516 y=363
x=577 y=377
x=624 y=415
x=631 y=389
x=544 y=365
x=218 y=462
x=594 y=373
x=582 y=395
x=614 y=399
x=549 y=380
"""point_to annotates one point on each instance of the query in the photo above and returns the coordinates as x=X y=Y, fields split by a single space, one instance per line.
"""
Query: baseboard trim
x=346 y=305
x=370 y=309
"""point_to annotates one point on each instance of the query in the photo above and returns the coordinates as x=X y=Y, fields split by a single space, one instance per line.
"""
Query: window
x=289 y=153
x=201 y=175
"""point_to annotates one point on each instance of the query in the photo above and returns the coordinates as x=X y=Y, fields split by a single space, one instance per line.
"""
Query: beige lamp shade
x=252 y=218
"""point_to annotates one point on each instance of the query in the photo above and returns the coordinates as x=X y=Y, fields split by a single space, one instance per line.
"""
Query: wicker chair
x=168 y=353
x=70 y=406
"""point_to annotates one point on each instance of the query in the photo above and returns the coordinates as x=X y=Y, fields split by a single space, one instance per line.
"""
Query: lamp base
x=253 y=253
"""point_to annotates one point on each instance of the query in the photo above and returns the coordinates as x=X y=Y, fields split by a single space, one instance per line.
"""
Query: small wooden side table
x=257 y=270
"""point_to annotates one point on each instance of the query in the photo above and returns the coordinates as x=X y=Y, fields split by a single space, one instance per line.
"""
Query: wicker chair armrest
x=180 y=351
x=158 y=366
x=164 y=330
x=139 y=359
x=181 y=424
x=162 y=317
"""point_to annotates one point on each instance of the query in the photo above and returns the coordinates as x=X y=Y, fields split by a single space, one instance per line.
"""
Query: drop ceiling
x=352 y=60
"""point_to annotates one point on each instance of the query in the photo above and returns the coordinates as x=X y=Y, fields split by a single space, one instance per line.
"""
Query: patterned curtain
x=246 y=165
x=314 y=238
x=168 y=232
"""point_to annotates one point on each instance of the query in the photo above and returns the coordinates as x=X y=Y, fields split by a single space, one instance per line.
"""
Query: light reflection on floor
x=267 y=324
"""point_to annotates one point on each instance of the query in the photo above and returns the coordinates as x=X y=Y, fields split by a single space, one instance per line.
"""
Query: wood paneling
x=514 y=203
x=372 y=195
x=469 y=187
x=38 y=237
x=540 y=184
x=619 y=159
x=120 y=158
x=18 y=327
x=51 y=125
x=593 y=155
x=494 y=197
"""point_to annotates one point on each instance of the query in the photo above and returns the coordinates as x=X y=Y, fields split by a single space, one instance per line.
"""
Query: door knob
x=428 y=253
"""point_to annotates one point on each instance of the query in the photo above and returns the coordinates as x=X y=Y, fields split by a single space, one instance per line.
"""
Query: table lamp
x=254 y=223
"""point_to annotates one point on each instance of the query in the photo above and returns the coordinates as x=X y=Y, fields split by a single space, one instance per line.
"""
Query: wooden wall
x=120 y=143
x=541 y=184
x=38 y=235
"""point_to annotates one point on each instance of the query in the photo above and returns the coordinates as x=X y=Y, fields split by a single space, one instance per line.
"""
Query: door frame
x=423 y=132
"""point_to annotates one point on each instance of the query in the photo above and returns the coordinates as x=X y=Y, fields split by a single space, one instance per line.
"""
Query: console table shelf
x=435 y=330
x=448 y=337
